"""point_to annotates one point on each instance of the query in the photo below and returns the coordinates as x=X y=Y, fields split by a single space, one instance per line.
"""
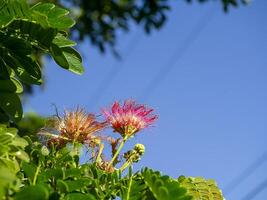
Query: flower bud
x=140 y=149
x=135 y=154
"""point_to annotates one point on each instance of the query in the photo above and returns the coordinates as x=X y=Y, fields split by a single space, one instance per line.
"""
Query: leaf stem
x=130 y=184
x=101 y=147
x=118 y=150
x=36 y=174
x=125 y=165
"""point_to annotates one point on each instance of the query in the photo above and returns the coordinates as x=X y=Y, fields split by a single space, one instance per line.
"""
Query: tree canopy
x=100 y=20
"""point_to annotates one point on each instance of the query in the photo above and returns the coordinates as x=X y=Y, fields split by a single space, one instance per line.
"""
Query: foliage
x=200 y=188
x=11 y=154
x=48 y=173
x=22 y=31
x=100 y=20
x=50 y=168
x=30 y=124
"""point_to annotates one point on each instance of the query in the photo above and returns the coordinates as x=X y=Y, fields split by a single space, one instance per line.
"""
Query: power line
x=114 y=71
x=256 y=190
x=245 y=174
x=178 y=53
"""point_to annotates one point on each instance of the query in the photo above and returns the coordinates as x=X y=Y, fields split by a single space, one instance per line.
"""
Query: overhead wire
x=245 y=174
x=255 y=191
x=178 y=54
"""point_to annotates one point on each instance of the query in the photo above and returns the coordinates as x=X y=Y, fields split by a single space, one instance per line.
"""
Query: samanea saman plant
x=50 y=167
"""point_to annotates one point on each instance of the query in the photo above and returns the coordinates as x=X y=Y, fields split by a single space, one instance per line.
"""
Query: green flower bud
x=140 y=149
x=135 y=154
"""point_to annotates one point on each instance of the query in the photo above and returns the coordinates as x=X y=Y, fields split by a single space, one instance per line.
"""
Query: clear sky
x=205 y=73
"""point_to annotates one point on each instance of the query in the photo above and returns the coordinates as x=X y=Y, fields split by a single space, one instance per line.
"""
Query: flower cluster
x=80 y=127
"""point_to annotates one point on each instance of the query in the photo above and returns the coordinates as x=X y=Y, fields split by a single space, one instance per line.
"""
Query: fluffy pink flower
x=75 y=126
x=129 y=118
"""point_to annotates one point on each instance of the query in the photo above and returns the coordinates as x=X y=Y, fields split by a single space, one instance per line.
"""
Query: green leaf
x=26 y=77
x=62 y=41
x=62 y=186
x=79 y=196
x=15 y=45
x=11 y=105
x=35 y=32
x=23 y=156
x=72 y=172
x=61 y=23
x=3 y=149
x=54 y=173
x=163 y=187
x=74 y=59
x=199 y=188
x=33 y=192
x=5 y=20
x=11 y=85
x=29 y=169
x=6 y=138
x=75 y=185
x=56 y=17
x=31 y=66
x=20 y=142
x=21 y=72
x=133 y=189
x=10 y=164
x=4 y=129
x=58 y=56
x=43 y=8
x=67 y=58
x=57 y=12
x=6 y=177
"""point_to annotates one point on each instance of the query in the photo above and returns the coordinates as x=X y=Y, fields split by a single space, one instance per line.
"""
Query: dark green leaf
x=33 y=193
x=54 y=173
x=58 y=56
x=5 y=20
x=62 y=186
x=29 y=169
x=74 y=185
x=10 y=103
x=11 y=85
x=79 y=196
x=21 y=72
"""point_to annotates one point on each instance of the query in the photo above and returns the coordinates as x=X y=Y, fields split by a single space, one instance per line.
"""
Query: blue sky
x=210 y=93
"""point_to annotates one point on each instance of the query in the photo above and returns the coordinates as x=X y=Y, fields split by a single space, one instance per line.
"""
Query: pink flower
x=75 y=126
x=129 y=118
